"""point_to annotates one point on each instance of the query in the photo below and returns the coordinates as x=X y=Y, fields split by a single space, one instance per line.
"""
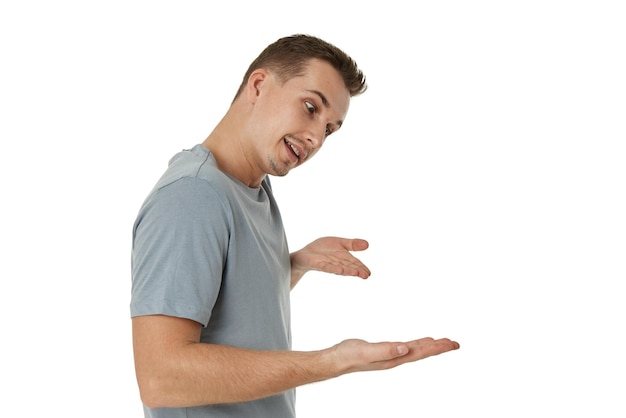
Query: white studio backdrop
x=485 y=165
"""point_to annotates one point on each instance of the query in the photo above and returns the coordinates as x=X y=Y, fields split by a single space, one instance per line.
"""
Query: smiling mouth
x=293 y=149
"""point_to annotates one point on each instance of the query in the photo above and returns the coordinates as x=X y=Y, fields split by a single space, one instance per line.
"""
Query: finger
x=417 y=350
x=343 y=269
x=427 y=347
x=357 y=269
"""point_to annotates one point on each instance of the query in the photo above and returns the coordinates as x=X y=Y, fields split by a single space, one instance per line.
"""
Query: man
x=211 y=267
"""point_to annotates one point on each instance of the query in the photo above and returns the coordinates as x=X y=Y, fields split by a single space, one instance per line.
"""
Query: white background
x=485 y=165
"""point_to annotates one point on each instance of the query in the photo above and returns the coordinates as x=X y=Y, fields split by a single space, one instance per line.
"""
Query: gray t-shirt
x=208 y=248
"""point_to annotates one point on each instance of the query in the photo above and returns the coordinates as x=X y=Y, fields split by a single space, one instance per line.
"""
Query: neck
x=227 y=146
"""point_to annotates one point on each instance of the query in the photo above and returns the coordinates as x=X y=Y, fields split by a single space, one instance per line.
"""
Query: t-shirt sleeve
x=180 y=242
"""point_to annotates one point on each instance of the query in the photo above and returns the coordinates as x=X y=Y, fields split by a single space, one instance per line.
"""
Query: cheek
x=290 y=122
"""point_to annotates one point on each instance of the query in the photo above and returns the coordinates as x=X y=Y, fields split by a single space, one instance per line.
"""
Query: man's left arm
x=329 y=255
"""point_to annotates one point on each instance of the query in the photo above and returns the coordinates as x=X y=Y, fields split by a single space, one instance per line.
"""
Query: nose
x=316 y=136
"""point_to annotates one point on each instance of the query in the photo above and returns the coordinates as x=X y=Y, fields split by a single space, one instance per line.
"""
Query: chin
x=277 y=171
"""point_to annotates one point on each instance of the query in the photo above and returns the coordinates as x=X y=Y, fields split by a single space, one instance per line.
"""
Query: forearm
x=201 y=374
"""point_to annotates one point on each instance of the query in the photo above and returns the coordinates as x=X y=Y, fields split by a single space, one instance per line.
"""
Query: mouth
x=294 y=150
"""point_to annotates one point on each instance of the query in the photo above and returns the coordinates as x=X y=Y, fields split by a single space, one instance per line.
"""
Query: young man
x=211 y=267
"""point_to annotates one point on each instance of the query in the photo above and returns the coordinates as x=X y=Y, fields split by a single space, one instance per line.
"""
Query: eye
x=310 y=107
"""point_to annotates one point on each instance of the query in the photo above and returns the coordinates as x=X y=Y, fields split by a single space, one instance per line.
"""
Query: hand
x=358 y=355
x=330 y=255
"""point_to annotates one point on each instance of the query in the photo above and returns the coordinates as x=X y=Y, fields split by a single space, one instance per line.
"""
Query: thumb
x=356 y=244
x=402 y=349
x=389 y=350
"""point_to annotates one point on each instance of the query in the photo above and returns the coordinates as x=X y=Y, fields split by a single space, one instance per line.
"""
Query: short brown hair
x=288 y=56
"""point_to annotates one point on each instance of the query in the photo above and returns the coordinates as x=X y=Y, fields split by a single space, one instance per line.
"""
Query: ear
x=256 y=82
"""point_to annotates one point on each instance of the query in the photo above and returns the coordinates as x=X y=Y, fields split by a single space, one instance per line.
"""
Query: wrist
x=296 y=271
x=331 y=362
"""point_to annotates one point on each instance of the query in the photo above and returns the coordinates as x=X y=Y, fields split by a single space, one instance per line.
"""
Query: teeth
x=294 y=149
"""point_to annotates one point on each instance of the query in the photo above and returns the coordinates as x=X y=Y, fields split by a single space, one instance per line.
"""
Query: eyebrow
x=325 y=102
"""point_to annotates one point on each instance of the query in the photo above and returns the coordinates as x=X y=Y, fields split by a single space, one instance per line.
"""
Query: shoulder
x=197 y=162
x=191 y=187
x=193 y=174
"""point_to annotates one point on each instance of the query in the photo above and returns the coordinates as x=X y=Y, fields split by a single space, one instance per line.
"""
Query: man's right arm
x=174 y=369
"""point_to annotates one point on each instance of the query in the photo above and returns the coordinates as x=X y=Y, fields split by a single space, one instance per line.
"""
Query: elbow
x=159 y=392
x=149 y=396
x=153 y=394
